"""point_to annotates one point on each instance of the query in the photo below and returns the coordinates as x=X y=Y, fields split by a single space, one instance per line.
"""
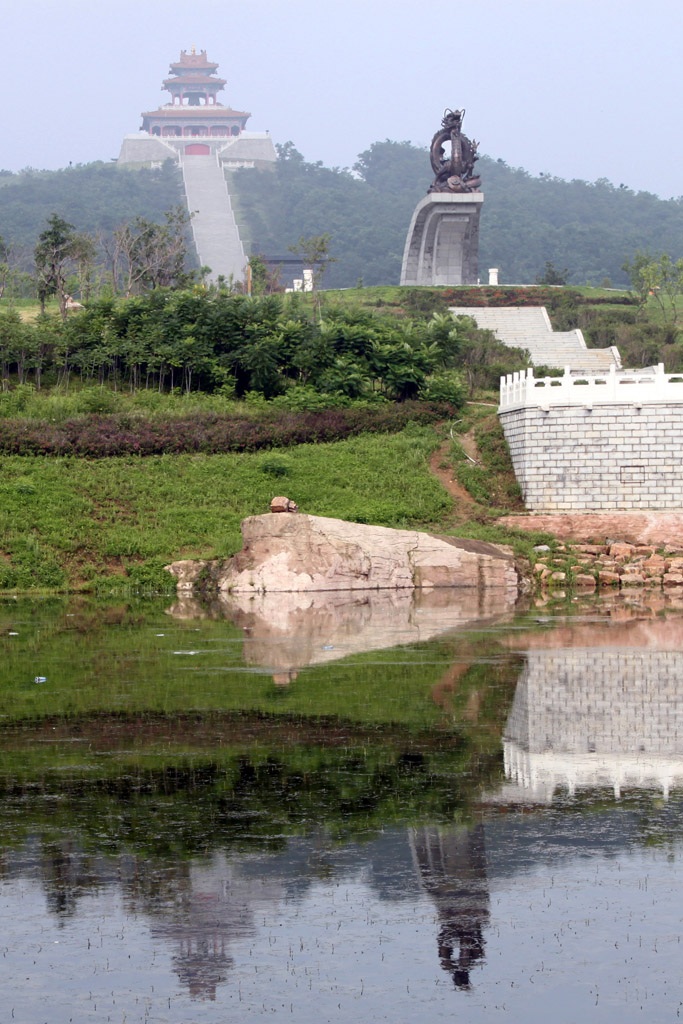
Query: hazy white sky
x=576 y=88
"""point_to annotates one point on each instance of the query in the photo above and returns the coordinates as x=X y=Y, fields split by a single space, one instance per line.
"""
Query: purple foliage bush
x=535 y=295
x=99 y=437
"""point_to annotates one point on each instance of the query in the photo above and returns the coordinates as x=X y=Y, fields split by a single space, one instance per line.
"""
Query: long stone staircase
x=530 y=328
x=216 y=236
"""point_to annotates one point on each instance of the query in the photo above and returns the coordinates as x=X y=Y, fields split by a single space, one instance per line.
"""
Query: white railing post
x=660 y=381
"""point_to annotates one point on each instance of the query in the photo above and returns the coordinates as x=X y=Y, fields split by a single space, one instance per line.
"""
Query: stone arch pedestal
x=442 y=247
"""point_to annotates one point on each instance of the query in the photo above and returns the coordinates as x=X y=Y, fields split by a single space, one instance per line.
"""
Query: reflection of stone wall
x=593 y=716
x=582 y=701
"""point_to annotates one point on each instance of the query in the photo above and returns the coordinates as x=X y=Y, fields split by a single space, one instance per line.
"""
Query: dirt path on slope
x=469 y=445
x=463 y=501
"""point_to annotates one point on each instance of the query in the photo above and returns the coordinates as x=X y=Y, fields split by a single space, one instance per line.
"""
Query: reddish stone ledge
x=655 y=528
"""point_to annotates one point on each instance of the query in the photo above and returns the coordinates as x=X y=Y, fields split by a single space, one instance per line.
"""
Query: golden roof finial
x=193 y=51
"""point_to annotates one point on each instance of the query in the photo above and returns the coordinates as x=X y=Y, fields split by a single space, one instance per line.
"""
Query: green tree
x=658 y=277
x=149 y=255
x=264 y=280
x=551 y=275
x=46 y=331
x=12 y=341
x=59 y=252
x=5 y=265
x=316 y=255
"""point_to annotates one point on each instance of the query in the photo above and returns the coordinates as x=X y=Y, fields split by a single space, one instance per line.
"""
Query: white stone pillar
x=493 y=275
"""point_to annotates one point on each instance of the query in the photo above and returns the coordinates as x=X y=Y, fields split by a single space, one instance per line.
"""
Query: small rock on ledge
x=286 y=553
x=283 y=505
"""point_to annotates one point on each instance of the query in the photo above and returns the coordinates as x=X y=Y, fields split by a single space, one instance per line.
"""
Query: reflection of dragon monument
x=452 y=868
x=442 y=247
x=455 y=174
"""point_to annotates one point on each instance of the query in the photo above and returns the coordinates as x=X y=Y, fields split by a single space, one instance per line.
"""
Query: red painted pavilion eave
x=194 y=79
x=206 y=110
x=179 y=66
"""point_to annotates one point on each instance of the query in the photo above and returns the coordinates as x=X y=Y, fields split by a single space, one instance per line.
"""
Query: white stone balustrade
x=543 y=773
x=596 y=442
x=615 y=387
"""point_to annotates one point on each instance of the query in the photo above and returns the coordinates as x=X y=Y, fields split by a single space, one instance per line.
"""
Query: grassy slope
x=387 y=298
x=74 y=523
x=423 y=301
x=87 y=524
x=68 y=521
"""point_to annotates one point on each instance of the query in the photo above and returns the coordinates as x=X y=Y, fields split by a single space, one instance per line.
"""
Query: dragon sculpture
x=455 y=173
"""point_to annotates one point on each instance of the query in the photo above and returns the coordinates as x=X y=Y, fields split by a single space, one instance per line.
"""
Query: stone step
x=530 y=328
x=215 y=231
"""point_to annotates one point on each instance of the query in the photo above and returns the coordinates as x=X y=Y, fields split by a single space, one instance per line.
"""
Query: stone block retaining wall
x=579 y=448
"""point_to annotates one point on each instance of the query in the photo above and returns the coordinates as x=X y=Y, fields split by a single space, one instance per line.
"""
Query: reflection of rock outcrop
x=288 y=631
x=598 y=705
x=452 y=869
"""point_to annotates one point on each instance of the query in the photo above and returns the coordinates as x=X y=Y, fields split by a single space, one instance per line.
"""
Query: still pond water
x=341 y=809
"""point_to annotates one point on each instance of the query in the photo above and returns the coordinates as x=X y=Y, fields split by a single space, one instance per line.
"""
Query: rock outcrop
x=287 y=552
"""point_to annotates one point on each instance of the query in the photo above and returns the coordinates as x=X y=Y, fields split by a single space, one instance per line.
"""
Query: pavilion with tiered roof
x=205 y=139
x=194 y=110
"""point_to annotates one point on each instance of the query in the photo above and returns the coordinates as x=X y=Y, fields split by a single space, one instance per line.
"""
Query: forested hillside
x=96 y=197
x=589 y=228
x=366 y=212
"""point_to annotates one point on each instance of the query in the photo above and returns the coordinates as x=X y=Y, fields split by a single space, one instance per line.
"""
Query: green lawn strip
x=57 y=404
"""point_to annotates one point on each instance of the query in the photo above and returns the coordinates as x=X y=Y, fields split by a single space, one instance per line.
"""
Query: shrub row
x=534 y=296
x=103 y=436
